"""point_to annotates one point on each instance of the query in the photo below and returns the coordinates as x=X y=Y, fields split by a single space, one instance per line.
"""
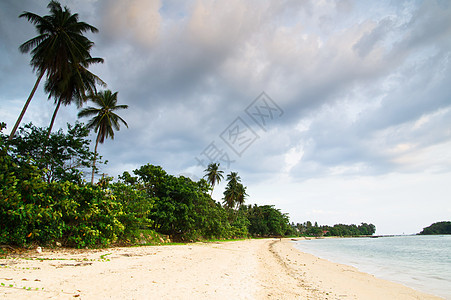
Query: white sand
x=251 y=269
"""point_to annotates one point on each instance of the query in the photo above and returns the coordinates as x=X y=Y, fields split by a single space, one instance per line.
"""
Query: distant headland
x=437 y=228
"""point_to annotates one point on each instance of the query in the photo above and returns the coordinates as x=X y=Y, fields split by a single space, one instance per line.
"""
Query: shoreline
x=334 y=280
x=249 y=269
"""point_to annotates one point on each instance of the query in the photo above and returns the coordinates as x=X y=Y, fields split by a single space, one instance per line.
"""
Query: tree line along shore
x=45 y=200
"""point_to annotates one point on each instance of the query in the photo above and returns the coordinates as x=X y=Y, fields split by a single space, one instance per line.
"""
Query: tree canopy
x=213 y=174
x=105 y=120
x=59 y=46
x=443 y=227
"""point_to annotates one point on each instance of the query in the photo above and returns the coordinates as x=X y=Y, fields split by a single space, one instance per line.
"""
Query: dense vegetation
x=437 y=228
x=44 y=199
x=337 y=230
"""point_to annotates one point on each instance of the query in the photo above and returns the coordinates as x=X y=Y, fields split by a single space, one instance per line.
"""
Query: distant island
x=437 y=228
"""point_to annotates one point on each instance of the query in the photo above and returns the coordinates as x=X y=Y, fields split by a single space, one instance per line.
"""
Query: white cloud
x=138 y=20
x=292 y=158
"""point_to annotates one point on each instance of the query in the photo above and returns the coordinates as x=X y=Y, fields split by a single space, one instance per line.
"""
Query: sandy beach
x=250 y=269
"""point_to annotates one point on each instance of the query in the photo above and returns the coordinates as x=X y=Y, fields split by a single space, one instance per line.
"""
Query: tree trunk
x=95 y=158
x=50 y=127
x=25 y=106
x=53 y=118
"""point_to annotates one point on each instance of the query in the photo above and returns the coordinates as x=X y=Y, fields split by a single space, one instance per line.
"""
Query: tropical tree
x=241 y=195
x=235 y=192
x=105 y=119
x=76 y=83
x=67 y=152
x=233 y=178
x=266 y=220
x=214 y=175
x=59 y=43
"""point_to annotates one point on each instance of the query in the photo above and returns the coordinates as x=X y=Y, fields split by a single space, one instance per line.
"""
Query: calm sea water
x=420 y=262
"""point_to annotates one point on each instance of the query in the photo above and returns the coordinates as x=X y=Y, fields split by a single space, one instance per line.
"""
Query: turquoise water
x=420 y=262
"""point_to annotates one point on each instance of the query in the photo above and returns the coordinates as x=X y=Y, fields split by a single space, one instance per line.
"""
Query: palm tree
x=104 y=120
x=230 y=194
x=74 y=86
x=235 y=192
x=233 y=178
x=241 y=195
x=214 y=175
x=60 y=42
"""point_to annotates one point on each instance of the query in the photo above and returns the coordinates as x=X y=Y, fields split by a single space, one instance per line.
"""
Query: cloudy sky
x=333 y=111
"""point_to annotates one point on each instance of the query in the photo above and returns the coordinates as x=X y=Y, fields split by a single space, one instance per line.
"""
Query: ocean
x=420 y=262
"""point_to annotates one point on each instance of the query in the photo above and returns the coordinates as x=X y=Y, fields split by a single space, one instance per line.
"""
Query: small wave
x=418 y=262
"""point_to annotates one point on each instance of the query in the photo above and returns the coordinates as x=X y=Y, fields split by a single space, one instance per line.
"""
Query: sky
x=333 y=111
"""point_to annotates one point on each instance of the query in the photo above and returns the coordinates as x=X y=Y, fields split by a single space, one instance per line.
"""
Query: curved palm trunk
x=25 y=107
x=95 y=158
x=53 y=118
x=52 y=122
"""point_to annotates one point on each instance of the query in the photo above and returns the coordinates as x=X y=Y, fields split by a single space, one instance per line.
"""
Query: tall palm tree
x=74 y=86
x=60 y=42
x=230 y=194
x=235 y=192
x=241 y=195
x=104 y=120
x=214 y=175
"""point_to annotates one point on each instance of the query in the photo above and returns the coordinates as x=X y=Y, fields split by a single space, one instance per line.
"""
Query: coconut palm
x=60 y=42
x=214 y=175
x=73 y=87
x=233 y=178
x=230 y=194
x=235 y=192
x=105 y=120
x=241 y=195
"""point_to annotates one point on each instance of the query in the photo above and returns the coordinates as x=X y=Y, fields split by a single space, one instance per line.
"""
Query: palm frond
x=32 y=43
x=33 y=18
x=87 y=112
x=104 y=120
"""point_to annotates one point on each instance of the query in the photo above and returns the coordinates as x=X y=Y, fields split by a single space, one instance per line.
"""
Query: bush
x=60 y=157
x=136 y=207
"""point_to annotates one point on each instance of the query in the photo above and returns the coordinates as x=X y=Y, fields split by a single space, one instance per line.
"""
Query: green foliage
x=443 y=227
x=90 y=216
x=337 y=230
x=136 y=209
x=61 y=157
x=104 y=120
x=35 y=211
x=235 y=191
x=36 y=208
x=126 y=178
x=267 y=221
x=239 y=223
x=182 y=208
x=213 y=174
x=79 y=216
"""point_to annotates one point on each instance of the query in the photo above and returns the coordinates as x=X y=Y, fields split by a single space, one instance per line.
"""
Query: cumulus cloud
x=137 y=20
